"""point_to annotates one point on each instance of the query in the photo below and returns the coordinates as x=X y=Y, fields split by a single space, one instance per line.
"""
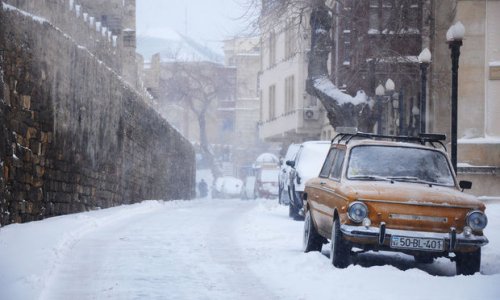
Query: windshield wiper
x=370 y=177
x=410 y=179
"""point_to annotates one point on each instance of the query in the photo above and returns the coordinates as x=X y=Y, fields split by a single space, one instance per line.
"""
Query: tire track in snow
x=224 y=248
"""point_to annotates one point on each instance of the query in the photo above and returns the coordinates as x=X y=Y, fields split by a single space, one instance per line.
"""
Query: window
x=347 y=48
x=333 y=164
x=272 y=49
x=337 y=164
x=327 y=166
x=129 y=38
x=272 y=102
x=399 y=164
x=289 y=94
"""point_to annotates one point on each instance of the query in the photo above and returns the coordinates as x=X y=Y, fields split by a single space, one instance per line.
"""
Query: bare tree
x=197 y=86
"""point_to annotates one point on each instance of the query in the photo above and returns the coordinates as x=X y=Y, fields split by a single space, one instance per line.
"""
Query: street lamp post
x=454 y=37
x=389 y=90
x=379 y=92
x=424 y=59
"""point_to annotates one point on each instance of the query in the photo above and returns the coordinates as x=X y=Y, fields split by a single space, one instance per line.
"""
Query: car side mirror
x=465 y=185
x=290 y=163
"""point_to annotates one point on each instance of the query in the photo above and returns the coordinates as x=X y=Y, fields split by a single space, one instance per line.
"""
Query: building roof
x=173 y=46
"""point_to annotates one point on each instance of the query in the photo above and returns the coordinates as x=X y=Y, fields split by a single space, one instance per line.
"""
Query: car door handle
x=322 y=183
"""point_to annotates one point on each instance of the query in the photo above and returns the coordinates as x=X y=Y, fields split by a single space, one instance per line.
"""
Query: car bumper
x=381 y=237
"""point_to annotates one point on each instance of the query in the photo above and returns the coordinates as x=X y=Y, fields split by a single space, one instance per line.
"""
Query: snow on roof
x=173 y=46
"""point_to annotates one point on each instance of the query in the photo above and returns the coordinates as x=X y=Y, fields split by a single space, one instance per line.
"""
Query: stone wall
x=73 y=135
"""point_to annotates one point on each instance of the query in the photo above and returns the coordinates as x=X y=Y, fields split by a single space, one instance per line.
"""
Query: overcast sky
x=209 y=20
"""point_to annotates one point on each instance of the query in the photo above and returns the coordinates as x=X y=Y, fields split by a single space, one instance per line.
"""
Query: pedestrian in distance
x=203 y=188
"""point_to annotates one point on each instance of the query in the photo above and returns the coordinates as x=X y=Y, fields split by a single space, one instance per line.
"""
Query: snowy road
x=184 y=253
x=213 y=249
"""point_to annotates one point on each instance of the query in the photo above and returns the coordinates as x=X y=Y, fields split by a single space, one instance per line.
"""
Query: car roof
x=366 y=141
x=346 y=135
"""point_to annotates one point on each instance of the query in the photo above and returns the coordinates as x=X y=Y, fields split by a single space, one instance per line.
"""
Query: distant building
x=181 y=52
x=243 y=54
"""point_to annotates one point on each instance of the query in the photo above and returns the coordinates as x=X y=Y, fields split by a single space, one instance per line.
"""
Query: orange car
x=390 y=193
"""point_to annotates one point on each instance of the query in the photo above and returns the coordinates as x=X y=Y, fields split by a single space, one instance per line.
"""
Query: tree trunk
x=342 y=109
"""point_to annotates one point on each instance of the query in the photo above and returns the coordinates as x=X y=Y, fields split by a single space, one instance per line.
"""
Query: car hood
x=411 y=193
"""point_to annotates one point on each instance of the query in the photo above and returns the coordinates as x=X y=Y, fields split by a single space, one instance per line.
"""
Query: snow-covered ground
x=214 y=249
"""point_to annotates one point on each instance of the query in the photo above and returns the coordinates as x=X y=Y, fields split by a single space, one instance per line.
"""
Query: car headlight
x=477 y=220
x=357 y=212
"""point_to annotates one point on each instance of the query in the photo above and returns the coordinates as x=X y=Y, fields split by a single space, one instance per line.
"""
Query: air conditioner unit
x=311 y=114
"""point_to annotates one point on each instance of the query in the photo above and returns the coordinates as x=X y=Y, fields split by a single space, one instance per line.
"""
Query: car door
x=329 y=198
x=317 y=194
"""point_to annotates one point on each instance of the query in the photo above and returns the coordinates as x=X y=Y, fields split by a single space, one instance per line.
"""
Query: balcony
x=295 y=125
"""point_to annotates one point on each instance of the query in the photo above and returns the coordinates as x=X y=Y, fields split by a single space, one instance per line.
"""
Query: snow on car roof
x=266 y=158
x=311 y=158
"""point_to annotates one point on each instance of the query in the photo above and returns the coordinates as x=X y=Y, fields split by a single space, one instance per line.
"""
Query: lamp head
x=456 y=32
x=389 y=85
x=380 y=91
x=425 y=56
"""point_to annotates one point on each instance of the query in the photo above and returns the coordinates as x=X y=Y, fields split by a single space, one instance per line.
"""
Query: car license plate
x=403 y=242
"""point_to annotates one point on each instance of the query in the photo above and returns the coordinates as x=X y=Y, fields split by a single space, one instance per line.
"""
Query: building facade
x=478 y=89
x=288 y=114
x=243 y=54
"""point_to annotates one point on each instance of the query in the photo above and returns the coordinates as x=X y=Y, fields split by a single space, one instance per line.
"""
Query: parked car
x=227 y=187
x=306 y=164
x=248 y=191
x=393 y=195
x=266 y=185
x=284 y=172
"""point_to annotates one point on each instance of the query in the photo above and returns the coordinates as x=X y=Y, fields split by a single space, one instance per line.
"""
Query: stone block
x=25 y=102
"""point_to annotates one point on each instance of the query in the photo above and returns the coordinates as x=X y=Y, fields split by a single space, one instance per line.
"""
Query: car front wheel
x=468 y=263
x=312 y=241
x=339 y=249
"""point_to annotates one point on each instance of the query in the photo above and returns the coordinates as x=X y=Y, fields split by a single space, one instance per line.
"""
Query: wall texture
x=73 y=135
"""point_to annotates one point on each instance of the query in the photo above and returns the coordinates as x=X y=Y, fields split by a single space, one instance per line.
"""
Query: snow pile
x=326 y=86
x=480 y=140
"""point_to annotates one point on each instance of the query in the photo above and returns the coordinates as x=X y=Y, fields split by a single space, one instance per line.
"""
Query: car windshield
x=399 y=164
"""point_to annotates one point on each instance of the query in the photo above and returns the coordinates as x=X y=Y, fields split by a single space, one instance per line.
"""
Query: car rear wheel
x=312 y=241
x=339 y=249
x=468 y=263
x=292 y=211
